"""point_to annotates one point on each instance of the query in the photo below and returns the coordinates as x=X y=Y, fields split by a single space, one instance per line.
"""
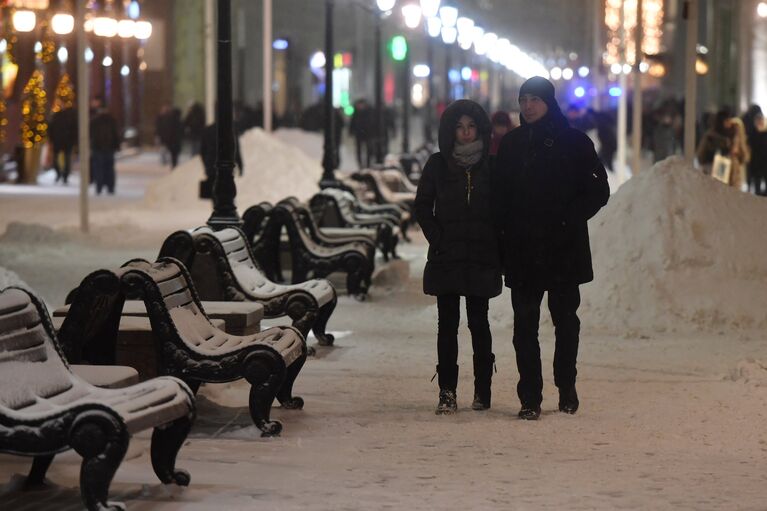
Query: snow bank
x=273 y=170
x=312 y=145
x=9 y=278
x=675 y=250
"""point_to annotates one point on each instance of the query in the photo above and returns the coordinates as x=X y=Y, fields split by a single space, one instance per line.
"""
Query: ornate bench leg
x=285 y=394
x=303 y=311
x=320 y=324
x=36 y=477
x=265 y=374
x=166 y=442
x=102 y=442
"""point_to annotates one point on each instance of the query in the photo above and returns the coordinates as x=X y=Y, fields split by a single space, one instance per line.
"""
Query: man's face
x=532 y=108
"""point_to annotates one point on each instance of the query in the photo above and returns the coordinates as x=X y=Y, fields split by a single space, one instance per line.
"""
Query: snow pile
x=9 y=278
x=675 y=250
x=273 y=170
x=750 y=371
x=312 y=145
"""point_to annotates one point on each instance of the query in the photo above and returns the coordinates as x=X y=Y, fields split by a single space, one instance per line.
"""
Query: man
x=550 y=182
x=105 y=142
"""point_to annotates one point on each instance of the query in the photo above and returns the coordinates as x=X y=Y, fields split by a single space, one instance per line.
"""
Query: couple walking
x=524 y=214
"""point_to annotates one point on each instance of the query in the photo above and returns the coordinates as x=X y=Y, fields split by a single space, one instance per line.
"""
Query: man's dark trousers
x=563 y=305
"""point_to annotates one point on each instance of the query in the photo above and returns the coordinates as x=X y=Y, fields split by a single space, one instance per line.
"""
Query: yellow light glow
x=652 y=32
x=62 y=24
x=143 y=30
x=126 y=28
x=105 y=27
x=24 y=21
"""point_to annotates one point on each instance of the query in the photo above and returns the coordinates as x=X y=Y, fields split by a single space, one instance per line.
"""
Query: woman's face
x=465 y=130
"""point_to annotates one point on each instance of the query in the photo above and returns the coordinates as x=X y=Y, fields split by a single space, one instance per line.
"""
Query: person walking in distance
x=452 y=206
x=105 y=142
x=550 y=182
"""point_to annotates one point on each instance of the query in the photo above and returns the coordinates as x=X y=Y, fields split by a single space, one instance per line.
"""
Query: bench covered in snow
x=312 y=259
x=222 y=267
x=45 y=409
x=337 y=208
x=188 y=345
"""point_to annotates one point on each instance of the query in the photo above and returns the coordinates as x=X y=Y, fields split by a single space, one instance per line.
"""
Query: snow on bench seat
x=46 y=409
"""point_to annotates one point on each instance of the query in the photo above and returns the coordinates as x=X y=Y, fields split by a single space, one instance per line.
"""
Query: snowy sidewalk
x=664 y=424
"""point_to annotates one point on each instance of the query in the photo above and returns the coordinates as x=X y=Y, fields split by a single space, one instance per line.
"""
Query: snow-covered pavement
x=668 y=420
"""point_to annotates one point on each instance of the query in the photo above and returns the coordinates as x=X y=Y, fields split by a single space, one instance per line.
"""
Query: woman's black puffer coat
x=453 y=208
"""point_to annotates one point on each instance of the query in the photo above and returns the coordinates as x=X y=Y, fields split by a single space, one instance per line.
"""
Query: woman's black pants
x=448 y=312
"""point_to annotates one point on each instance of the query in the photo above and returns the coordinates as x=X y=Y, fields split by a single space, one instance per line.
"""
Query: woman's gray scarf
x=467 y=155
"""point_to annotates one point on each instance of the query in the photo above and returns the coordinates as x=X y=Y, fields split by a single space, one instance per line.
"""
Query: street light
x=126 y=28
x=449 y=35
x=448 y=15
x=434 y=26
x=105 y=26
x=412 y=15
x=385 y=5
x=24 y=21
x=62 y=24
x=430 y=8
x=142 y=30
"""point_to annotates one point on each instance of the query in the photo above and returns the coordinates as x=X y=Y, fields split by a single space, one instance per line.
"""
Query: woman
x=502 y=124
x=715 y=139
x=452 y=206
x=740 y=153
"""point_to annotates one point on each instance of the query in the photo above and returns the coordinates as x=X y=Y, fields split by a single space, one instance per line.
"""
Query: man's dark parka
x=550 y=182
x=453 y=208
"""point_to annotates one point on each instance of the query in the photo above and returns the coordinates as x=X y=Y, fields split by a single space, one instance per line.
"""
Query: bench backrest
x=247 y=273
x=30 y=364
x=344 y=200
x=186 y=313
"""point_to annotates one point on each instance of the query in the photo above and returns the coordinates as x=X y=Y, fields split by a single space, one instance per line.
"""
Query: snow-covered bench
x=364 y=240
x=188 y=345
x=45 y=409
x=333 y=207
x=223 y=268
x=311 y=259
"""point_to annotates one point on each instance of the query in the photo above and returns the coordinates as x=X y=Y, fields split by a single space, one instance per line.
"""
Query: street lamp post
x=224 y=189
x=329 y=157
x=406 y=103
x=380 y=130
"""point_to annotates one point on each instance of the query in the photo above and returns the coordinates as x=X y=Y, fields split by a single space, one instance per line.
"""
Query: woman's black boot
x=448 y=381
x=483 y=376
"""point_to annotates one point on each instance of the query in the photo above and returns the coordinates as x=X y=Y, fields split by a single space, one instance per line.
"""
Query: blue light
x=579 y=92
x=466 y=73
x=134 y=10
x=615 y=91
x=454 y=76
x=280 y=44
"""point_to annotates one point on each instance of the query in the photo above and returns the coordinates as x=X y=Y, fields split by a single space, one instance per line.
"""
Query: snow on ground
x=670 y=419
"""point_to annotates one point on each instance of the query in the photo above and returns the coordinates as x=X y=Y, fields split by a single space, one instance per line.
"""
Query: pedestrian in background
x=194 y=123
x=362 y=128
x=757 y=169
x=62 y=133
x=550 y=182
x=105 y=142
x=502 y=124
x=715 y=140
x=170 y=130
x=452 y=206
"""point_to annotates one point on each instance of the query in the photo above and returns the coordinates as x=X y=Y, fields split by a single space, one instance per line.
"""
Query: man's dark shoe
x=568 y=400
x=529 y=413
